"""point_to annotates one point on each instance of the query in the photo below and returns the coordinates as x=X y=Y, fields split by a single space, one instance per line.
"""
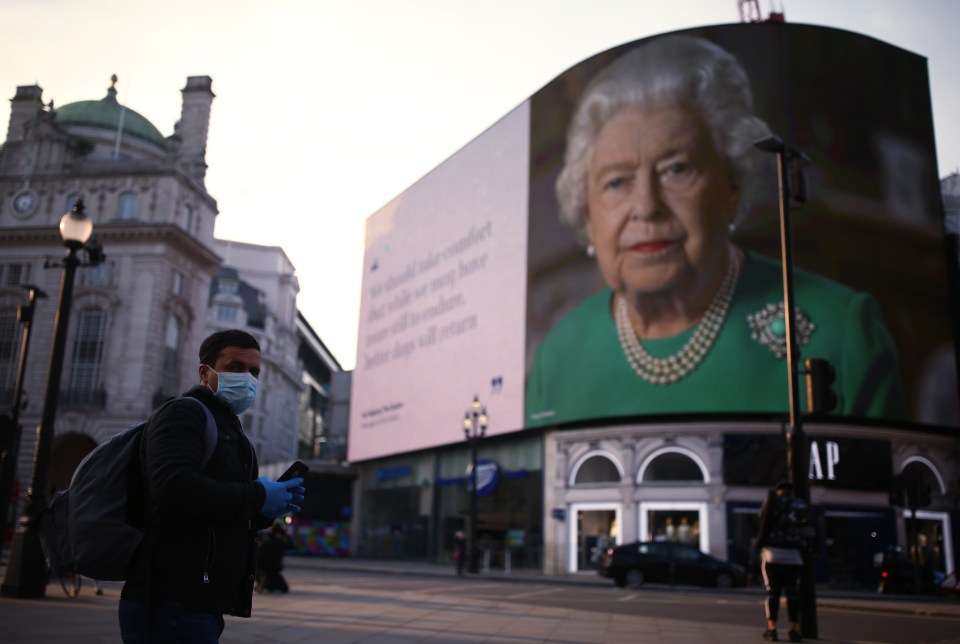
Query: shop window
x=673 y=466
x=597 y=469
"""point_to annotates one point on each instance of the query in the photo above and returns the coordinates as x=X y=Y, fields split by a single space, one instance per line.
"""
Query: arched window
x=920 y=469
x=87 y=358
x=673 y=465
x=596 y=467
x=128 y=206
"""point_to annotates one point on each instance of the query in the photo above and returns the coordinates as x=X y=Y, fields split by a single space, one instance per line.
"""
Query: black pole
x=474 y=566
x=27 y=570
x=797 y=451
x=9 y=467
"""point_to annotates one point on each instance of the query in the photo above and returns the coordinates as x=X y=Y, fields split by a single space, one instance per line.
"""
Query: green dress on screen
x=580 y=370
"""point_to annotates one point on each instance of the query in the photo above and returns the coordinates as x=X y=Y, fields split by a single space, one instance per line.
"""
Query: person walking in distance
x=781 y=543
x=459 y=550
x=197 y=561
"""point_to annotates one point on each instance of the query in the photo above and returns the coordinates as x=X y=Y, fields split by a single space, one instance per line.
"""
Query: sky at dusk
x=325 y=111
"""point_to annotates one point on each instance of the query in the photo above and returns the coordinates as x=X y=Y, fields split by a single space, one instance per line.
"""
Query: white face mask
x=236 y=390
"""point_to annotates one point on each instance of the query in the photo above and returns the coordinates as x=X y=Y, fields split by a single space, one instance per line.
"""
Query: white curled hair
x=671 y=71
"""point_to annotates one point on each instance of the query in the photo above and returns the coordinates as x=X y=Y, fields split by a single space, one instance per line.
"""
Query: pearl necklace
x=665 y=371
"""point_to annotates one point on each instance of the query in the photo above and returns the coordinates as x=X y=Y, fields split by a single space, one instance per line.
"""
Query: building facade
x=138 y=318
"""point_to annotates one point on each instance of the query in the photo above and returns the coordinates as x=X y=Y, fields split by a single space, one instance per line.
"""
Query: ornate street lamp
x=25 y=316
x=26 y=571
x=474 y=427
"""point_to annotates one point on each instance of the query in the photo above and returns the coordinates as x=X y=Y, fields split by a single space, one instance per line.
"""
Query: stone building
x=137 y=318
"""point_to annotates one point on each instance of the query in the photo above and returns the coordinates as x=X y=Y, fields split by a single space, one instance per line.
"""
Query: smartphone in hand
x=298 y=468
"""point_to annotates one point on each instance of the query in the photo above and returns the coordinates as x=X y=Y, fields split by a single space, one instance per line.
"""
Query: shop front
x=411 y=506
x=704 y=483
x=509 y=507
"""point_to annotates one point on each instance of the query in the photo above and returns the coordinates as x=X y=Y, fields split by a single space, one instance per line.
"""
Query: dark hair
x=215 y=343
x=786 y=486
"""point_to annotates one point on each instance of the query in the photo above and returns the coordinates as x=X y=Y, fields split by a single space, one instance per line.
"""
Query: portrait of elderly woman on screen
x=660 y=155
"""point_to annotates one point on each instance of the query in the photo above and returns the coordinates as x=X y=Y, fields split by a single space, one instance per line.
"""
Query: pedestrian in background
x=270 y=560
x=459 y=551
x=781 y=543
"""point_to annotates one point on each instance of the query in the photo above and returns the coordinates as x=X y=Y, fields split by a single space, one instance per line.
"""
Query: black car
x=665 y=562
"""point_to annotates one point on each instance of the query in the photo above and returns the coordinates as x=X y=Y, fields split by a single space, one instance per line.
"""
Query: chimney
x=24 y=107
x=194 y=124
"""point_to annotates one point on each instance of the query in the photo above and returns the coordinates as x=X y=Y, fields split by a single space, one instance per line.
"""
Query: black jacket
x=202 y=524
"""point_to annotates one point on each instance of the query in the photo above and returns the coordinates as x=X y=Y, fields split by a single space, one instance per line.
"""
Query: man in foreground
x=198 y=559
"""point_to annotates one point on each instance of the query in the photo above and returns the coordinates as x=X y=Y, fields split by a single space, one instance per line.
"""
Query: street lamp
x=474 y=427
x=791 y=161
x=26 y=571
x=25 y=316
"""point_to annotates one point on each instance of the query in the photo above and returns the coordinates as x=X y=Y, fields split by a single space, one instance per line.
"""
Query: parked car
x=634 y=564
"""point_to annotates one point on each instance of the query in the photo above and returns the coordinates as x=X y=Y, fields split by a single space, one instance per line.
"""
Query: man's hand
x=280 y=498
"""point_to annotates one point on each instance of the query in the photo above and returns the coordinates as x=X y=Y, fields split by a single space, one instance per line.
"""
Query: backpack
x=787 y=520
x=86 y=529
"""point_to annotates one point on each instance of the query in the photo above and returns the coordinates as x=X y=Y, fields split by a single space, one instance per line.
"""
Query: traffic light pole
x=797 y=451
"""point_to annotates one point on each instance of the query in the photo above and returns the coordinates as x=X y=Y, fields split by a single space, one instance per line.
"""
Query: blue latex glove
x=280 y=498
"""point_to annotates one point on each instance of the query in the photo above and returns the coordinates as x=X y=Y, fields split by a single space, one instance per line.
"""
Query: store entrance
x=594 y=530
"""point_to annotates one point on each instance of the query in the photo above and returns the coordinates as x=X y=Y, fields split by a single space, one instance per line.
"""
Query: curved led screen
x=611 y=248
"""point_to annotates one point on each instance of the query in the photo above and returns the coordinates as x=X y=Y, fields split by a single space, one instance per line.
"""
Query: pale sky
x=327 y=110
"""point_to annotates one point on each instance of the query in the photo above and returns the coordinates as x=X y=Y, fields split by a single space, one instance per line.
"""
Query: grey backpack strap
x=209 y=434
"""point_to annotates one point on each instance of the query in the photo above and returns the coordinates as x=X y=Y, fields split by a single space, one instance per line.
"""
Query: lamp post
x=26 y=571
x=474 y=427
x=798 y=453
x=25 y=315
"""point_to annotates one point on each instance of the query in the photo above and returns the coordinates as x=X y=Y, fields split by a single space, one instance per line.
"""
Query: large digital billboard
x=611 y=248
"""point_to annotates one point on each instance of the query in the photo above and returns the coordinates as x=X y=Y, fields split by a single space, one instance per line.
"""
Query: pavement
x=317 y=611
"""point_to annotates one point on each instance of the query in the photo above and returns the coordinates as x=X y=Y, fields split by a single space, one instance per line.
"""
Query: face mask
x=236 y=390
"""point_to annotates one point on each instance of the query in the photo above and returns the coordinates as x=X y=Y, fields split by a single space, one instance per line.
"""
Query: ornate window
x=87 y=359
x=673 y=465
x=596 y=467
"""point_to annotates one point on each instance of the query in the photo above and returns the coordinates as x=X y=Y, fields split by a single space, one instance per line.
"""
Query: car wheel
x=724 y=580
x=634 y=578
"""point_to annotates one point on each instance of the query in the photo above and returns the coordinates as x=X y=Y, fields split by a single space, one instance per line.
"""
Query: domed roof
x=105 y=114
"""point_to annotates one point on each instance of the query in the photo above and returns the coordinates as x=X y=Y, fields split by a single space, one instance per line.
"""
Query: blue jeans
x=167 y=622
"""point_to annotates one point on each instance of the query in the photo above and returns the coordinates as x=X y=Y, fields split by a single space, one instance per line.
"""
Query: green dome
x=105 y=114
